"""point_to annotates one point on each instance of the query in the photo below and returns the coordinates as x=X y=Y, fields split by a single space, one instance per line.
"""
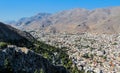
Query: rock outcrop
x=17 y=60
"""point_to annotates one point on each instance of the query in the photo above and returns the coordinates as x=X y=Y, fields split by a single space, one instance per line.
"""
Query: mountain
x=26 y=22
x=13 y=35
x=22 y=60
x=101 y=20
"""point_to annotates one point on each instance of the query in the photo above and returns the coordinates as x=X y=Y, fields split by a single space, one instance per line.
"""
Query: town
x=99 y=53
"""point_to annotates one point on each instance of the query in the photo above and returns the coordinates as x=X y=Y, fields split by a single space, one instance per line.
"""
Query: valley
x=71 y=41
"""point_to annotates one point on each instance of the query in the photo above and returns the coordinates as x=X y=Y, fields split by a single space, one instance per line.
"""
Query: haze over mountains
x=102 y=20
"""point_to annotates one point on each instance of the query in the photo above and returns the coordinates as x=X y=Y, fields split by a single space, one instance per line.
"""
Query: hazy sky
x=16 y=9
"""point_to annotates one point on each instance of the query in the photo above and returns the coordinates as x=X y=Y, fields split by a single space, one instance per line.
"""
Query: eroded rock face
x=24 y=60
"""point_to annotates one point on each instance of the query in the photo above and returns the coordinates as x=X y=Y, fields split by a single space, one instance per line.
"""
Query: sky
x=16 y=9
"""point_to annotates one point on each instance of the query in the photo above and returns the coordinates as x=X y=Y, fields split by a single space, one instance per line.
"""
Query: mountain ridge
x=13 y=35
x=77 y=20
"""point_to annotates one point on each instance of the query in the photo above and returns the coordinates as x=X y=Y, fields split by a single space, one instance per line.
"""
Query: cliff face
x=17 y=60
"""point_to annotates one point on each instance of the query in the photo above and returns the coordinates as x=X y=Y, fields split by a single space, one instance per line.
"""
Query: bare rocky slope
x=13 y=35
x=101 y=20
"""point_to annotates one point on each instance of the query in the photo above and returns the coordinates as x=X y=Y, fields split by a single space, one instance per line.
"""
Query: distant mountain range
x=102 y=20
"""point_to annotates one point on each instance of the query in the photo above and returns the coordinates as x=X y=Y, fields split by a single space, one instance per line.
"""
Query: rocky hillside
x=102 y=20
x=12 y=35
x=15 y=59
x=22 y=60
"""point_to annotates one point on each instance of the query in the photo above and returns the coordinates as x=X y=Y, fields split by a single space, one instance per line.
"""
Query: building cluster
x=94 y=53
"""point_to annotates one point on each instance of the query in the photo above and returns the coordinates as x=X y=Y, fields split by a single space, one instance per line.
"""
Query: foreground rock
x=17 y=60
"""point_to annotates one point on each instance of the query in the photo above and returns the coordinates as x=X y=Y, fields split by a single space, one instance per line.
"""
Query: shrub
x=3 y=45
x=61 y=57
